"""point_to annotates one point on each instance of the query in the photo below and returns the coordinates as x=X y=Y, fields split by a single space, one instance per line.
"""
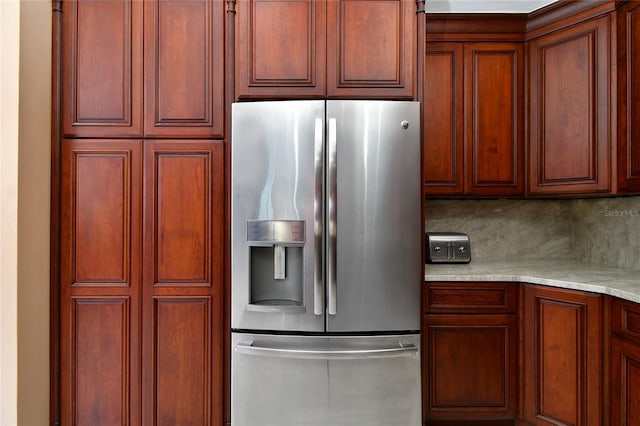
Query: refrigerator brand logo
x=622 y=213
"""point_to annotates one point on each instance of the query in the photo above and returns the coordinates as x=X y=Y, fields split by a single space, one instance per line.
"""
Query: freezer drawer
x=325 y=381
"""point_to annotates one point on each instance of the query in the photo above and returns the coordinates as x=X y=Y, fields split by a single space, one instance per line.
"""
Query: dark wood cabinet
x=443 y=119
x=336 y=49
x=182 y=303
x=624 y=402
x=100 y=254
x=371 y=49
x=184 y=68
x=143 y=68
x=474 y=119
x=570 y=131
x=142 y=218
x=628 y=115
x=102 y=68
x=281 y=49
x=470 y=352
x=142 y=282
x=563 y=357
x=625 y=382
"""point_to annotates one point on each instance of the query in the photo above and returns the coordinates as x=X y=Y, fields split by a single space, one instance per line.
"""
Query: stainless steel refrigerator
x=326 y=263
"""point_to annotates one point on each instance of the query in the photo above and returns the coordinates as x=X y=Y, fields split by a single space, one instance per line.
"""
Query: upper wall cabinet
x=102 y=62
x=281 y=49
x=336 y=49
x=443 y=121
x=184 y=68
x=473 y=118
x=569 y=112
x=629 y=98
x=179 y=45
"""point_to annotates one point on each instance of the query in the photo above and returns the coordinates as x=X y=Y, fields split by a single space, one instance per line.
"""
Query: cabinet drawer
x=625 y=319
x=470 y=297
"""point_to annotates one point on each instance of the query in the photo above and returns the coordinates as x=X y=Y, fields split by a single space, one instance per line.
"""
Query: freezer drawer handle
x=402 y=349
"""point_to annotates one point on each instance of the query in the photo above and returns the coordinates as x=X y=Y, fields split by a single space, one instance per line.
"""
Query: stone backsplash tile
x=606 y=231
x=601 y=231
x=506 y=229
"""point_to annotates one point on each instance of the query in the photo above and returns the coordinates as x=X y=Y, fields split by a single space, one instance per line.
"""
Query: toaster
x=448 y=247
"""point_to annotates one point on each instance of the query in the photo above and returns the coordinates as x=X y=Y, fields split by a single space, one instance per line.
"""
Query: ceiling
x=485 y=6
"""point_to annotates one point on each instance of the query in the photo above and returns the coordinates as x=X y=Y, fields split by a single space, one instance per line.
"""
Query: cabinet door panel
x=182 y=358
x=184 y=68
x=102 y=62
x=625 y=382
x=629 y=98
x=100 y=281
x=371 y=48
x=494 y=134
x=563 y=357
x=281 y=49
x=182 y=282
x=443 y=163
x=463 y=381
x=100 y=330
x=101 y=213
x=569 y=107
x=183 y=213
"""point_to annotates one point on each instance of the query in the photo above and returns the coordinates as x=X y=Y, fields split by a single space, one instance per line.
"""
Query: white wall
x=9 y=60
x=9 y=44
x=25 y=116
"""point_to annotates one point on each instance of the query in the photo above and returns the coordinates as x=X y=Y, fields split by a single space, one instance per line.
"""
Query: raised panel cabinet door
x=494 y=118
x=570 y=132
x=371 y=49
x=102 y=63
x=563 y=357
x=100 y=282
x=629 y=98
x=281 y=49
x=182 y=347
x=625 y=382
x=471 y=367
x=443 y=119
x=184 y=68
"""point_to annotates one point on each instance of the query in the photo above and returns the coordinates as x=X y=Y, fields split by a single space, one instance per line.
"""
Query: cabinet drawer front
x=625 y=319
x=459 y=297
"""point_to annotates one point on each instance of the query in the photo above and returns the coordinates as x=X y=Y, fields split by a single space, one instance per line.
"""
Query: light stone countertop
x=622 y=283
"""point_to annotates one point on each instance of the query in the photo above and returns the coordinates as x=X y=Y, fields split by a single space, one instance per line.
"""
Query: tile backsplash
x=604 y=231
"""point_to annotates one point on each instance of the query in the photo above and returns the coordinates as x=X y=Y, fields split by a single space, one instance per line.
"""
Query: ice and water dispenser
x=275 y=262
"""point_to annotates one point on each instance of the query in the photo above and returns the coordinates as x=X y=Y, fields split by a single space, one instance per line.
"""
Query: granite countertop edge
x=617 y=282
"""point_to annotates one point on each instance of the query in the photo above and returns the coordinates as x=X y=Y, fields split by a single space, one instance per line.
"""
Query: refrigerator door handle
x=318 y=290
x=401 y=349
x=332 y=208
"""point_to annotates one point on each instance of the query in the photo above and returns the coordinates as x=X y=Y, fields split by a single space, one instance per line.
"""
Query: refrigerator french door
x=326 y=262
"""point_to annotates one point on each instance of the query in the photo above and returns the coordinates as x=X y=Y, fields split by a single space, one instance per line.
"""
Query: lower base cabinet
x=517 y=354
x=472 y=367
x=625 y=383
x=624 y=402
x=470 y=353
x=563 y=357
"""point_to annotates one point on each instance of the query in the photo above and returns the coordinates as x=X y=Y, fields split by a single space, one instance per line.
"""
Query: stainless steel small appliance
x=448 y=247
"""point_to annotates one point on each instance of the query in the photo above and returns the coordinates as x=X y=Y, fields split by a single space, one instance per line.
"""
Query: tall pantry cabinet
x=141 y=212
